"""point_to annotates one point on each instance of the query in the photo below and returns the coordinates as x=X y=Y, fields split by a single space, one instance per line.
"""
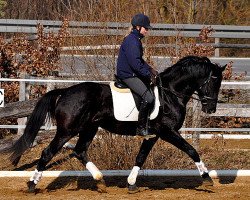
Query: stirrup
x=146 y=137
x=144 y=133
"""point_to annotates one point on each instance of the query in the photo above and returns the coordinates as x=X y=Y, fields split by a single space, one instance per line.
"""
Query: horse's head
x=209 y=87
x=190 y=74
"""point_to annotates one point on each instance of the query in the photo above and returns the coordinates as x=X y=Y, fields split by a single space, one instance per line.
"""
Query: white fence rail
x=184 y=135
x=84 y=173
x=117 y=28
x=225 y=84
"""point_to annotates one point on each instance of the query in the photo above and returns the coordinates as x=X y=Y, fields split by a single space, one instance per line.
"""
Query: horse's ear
x=227 y=65
x=223 y=67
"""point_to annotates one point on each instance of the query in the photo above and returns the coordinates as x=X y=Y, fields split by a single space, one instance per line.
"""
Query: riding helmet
x=141 y=20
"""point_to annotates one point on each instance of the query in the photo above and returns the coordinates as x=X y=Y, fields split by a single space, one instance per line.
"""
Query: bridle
x=203 y=99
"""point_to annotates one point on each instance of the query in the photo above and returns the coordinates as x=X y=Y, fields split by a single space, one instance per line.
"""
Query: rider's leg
x=137 y=86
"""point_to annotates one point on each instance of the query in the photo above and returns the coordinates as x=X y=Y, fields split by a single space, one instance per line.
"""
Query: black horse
x=82 y=108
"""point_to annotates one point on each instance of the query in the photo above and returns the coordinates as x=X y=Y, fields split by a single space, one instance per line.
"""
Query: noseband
x=205 y=96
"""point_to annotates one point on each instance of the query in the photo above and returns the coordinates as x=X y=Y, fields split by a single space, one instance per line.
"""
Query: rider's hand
x=153 y=79
x=154 y=74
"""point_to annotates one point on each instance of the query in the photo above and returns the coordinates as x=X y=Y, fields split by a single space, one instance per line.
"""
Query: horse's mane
x=189 y=65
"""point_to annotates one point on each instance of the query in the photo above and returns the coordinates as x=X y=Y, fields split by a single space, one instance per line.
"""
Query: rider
x=135 y=72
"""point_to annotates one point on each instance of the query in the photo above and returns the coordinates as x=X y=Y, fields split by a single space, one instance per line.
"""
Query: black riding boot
x=143 y=119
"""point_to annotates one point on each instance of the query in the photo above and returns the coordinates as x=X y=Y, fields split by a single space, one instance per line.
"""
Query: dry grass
x=115 y=152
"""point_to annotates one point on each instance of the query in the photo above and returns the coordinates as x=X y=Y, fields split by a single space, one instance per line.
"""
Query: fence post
x=217 y=50
x=196 y=122
x=0 y=94
x=23 y=95
x=50 y=86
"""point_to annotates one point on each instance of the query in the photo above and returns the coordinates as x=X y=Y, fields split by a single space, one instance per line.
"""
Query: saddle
x=126 y=105
x=120 y=86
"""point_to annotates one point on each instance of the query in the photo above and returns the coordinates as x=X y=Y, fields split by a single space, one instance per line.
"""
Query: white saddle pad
x=124 y=104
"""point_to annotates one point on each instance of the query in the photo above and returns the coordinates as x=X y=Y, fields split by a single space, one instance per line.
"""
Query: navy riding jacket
x=130 y=62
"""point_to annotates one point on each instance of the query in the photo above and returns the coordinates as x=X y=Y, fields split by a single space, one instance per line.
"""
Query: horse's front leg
x=177 y=140
x=141 y=157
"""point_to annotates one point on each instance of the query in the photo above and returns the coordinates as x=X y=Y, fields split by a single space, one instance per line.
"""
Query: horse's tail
x=45 y=107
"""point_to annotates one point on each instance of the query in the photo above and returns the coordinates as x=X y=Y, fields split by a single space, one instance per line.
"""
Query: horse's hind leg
x=81 y=148
x=61 y=137
x=177 y=140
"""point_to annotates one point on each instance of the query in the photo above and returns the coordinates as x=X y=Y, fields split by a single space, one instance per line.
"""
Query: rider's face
x=144 y=31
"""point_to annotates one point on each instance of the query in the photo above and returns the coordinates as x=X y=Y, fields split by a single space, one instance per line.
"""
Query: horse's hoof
x=207 y=180
x=31 y=186
x=101 y=186
x=132 y=189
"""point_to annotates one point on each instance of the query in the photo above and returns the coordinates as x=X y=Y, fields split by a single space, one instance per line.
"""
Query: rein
x=205 y=97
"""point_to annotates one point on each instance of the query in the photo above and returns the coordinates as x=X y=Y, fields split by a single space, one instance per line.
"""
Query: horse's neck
x=183 y=89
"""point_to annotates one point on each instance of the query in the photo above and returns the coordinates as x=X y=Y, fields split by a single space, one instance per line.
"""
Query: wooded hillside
x=230 y=12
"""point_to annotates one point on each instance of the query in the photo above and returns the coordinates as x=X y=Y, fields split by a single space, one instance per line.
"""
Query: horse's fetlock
x=97 y=175
x=36 y=176
x=201 y=167
x=133 y=175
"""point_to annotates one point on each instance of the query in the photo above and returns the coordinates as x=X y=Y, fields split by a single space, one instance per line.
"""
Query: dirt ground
x=153 y=188
x=150 y=188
